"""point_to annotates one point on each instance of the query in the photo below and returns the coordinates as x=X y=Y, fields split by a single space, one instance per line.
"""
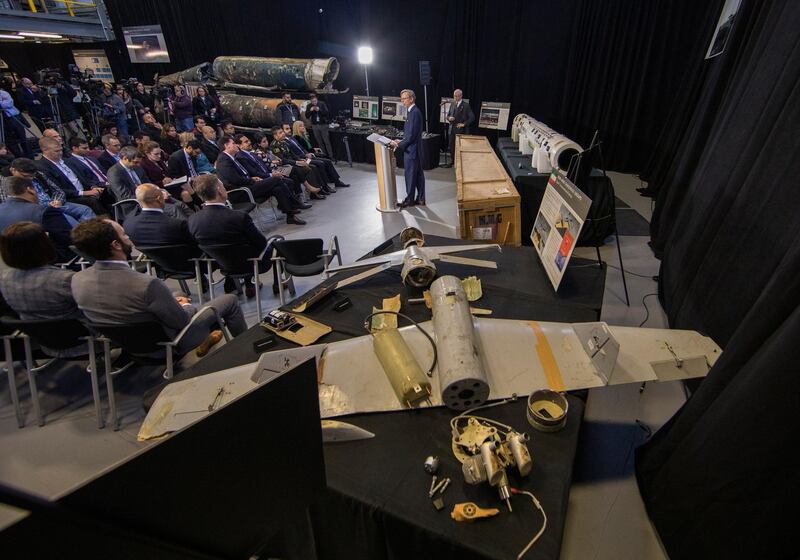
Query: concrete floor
x=606 y=517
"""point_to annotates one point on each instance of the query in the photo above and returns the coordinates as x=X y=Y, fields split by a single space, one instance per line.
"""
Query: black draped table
x=362 y=150
x=377 y=505
x=531 y=186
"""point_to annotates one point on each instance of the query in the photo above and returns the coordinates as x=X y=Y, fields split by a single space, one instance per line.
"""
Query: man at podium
x=411 y=146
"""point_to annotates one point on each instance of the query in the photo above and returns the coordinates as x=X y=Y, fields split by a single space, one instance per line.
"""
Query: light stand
x=365 y=58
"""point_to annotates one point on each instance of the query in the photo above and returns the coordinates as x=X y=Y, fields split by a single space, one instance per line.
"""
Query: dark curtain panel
x=719 y=479
x=626 y=67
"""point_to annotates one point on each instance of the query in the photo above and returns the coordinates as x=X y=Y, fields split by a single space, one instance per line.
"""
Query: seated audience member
x=208 y=144
x=87 y=168
x=126 y=175
x=184 y=161
x=301 y=168
x=111 y=292
x=324 y=164
x=205 y=106
x=257 y=168
x=234 y=175
x=5 y=159
x=48 y=192
x=199 y=123
x=170 y=142
x=35 y=101
x=151 y=126
x=22 y=205
x=226 y=128
x=53 y=166
x=296 y=173
x=154 y=165
x=110 y=154
x=300 y=133
x=201 y=163
x=217 y=224
x=32 y=286
x=139 y=138
x=152 y=227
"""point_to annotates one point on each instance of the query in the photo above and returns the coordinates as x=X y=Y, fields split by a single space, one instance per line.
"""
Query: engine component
x=548 y=149
x=405 y=375
x=461 y=375
x=412 y=236
x=431 y=464
x=280 y=73
x=469 y=511
x=418 y=270
x=255 y=112
x=547 y=410
x=199 y=73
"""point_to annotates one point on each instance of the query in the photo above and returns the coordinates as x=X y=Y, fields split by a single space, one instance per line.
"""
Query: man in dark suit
x=22 y=205
x=53 y=166
x=327 y=170
x=125 y=176
x=460 y=117
x=34 y=101
x=257 y=168
x=411 y=146
x=233 y=174
x=217 y=224
x=317 y=112
x=183 y=162
x=208 y=143
x=288 y=111
x=152 y=227
x=87 y=168
x=110 y=155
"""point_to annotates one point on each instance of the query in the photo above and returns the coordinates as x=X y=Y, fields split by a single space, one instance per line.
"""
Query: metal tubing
x=461 y=376
x=112 y=398
x=12 y=382
x=26 y=341
x=283 y=73
x=98 y=408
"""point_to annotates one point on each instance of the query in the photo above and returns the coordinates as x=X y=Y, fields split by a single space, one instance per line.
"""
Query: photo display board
x=494 y=115
x=365 y=107
x=96 y=62
x=146 y=44
x=558 y=224
x=444 y=108
x=392 y=109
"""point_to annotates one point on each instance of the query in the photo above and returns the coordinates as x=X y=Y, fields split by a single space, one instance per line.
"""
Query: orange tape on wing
x=546 y=357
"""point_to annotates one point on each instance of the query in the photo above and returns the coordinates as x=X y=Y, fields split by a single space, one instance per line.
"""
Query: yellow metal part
x=406 y=377
x=470 y=511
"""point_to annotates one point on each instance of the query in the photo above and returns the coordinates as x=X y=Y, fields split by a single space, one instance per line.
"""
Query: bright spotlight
x=365 y=55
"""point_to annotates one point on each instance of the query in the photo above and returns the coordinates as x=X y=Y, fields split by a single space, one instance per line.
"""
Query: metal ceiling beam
x=17 y=20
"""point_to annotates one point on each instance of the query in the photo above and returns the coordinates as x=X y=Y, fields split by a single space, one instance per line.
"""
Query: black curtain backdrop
x=719 y=480
x=577 y=65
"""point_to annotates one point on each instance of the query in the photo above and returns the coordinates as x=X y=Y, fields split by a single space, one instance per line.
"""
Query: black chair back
x=302 y=256
x=58 y=334
x=138 y=339
x=173 y=260
x=81 y=254
x=232 y=258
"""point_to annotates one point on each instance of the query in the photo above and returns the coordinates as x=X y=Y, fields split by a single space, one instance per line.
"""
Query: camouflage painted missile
x=249 y=111
x=200 y=74
x=307 y=74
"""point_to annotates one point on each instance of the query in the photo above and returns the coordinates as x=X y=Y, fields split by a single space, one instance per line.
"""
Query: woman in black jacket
x=205 y=106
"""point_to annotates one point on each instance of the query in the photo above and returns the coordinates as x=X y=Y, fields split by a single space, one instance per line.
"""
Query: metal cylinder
x=405 y=375
x=255 y=112
x=490 y=463
x=418 y=270
x=547 y=410
x=199 y=73
x=387 y=185
x=461 y=376
x=520 y=453
x=281 y=73
x=562 y=150
x=412 y=236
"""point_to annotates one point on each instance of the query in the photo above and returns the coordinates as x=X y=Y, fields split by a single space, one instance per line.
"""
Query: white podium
x=385 y=165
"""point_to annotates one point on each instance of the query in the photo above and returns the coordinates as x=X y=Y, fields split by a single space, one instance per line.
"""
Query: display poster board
x=494 y=115
x=724 y=28
x=365 y=107
x=392 y=109
x=558 y=224
x=444 y=108
x=146 y=44
x=95 y=61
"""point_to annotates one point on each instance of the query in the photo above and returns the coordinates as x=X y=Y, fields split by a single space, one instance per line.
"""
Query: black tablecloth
x=531 y=186
x=377 y=505
x=362 y=150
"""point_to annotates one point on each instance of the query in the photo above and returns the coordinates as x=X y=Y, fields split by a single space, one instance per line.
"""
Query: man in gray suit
x=125 y=175
x=111 y=292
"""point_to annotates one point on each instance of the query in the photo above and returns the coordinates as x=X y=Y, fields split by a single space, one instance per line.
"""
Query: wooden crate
x=488 y=202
